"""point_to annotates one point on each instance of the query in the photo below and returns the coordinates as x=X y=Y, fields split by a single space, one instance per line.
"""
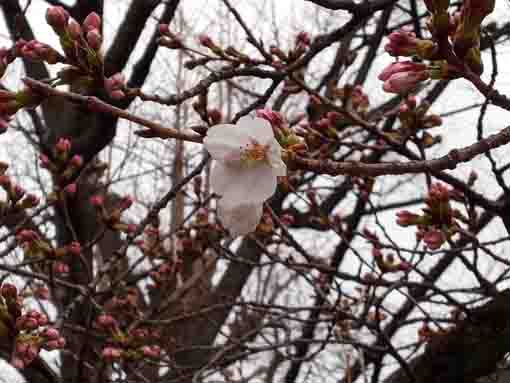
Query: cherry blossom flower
x=248 y=162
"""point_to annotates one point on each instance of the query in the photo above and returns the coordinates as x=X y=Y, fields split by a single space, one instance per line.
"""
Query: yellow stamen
x=254 y=153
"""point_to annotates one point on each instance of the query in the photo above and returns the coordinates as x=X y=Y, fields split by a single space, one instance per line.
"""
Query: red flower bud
x=57 y=18
x=70 y=189
x=74 y=29
x=92 y=21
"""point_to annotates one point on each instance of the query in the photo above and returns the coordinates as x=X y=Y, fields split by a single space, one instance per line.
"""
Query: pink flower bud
x=117 y=95
x=51 y=333
x=60 y=268
x=61 y=342
x=9 y=291
x=94 y=39
x=5 y=181
x=163 y=29
x=76 y=161
x=303 y=38
x=111 y=353
x=402 y=43
x=70 y=189
x=206 y=41
x=26 y=236
x=404 y=82
x=42 y=320
x=97 y=200
x=105 y=321
x=125 y=203
x=74 y=248
x=74 y=29
x=151 y=351
x=57 y=18
x=63 y=145
x=406 y=218
x=377 y=253
x=92 y=21
x=275 y=118
x=21 y=347
x=45 y=161
x=434 y=239
x=214 y=115
x=32 y=352
x=18 y=192
x=401 y=67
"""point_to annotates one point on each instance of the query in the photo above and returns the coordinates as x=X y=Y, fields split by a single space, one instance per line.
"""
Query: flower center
x=253 y=153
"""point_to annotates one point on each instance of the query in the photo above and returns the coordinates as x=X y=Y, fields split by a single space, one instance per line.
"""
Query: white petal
x=257 y=128
x=279 y=167
x=242 y=219
x=223 y=176
x=225 y=141
x=241 y=186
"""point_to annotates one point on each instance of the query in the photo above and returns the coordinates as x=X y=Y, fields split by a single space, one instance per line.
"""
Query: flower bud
x=74 y=248
x=74 y=29
x=92 y=21
x=76 y=161
x=434 y=239
x=60 y=268
x=57 y=18
x=51 y=333
x=63 y=145
x=206 y=41
x=163 y=29
x=94 y=39
x=111 y=353
x=406 y=218
x=9 y=291
x=97 y=201
x=70 y=189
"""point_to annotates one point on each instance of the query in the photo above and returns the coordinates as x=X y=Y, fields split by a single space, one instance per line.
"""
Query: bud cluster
x=438 y=221
x=385 y=263
x=112 y=217
x=36 y=248
x=37 y=51
x=30 y=330
x=453 y=49
x=64 y=167
x=11 y=102
x=81 y=43
x=7 y=56
x=17 y=198
x=414 y=123
x=301 y=44
x=130 y=344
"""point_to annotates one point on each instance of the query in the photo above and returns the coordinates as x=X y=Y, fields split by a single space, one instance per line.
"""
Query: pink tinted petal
x=225 y=140
x=257 y=128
